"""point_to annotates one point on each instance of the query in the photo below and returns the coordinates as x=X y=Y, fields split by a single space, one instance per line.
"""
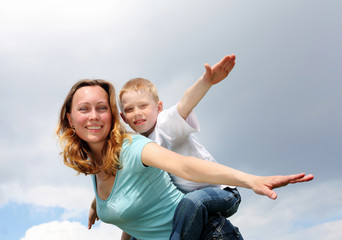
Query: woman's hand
x=92 y=214
x=265 y=185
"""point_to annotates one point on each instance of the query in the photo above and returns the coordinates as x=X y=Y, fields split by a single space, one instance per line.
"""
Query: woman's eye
x=103 y=108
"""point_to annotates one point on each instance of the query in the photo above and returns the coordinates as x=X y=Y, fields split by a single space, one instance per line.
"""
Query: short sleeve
x=130 y=156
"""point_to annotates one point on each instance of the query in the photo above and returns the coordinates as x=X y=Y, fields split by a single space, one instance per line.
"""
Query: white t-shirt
x=176 y=134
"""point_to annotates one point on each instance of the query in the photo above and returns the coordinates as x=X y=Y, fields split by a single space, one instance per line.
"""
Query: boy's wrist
x=205 y=81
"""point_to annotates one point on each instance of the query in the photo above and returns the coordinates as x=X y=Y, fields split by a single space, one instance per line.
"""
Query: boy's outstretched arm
x=211 y=76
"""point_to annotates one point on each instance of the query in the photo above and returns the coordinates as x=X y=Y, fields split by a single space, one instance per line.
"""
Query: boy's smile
x=139 y=122
x=140 y=111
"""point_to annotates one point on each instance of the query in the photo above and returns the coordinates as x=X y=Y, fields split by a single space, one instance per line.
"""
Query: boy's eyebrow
x=126 y=106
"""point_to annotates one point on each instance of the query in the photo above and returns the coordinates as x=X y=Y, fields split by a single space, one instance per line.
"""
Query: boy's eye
x=127 y=110
x=142 y=106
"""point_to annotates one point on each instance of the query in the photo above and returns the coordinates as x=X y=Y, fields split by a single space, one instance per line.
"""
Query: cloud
x=74 y=200
x=67 y=230
x=299 y=211
x=32 y=172
x=297 y=214
x=278 y=112
x=327 y=231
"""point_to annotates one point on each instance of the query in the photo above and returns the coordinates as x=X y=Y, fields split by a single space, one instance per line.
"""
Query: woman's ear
x=69 y=120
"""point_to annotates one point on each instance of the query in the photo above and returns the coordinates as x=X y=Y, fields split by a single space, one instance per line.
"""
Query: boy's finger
x=207 y=68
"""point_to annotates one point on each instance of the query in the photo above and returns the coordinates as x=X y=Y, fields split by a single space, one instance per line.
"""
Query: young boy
x=173 y=128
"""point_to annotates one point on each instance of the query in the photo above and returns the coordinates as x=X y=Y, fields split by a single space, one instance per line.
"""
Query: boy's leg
x=193 y=211
x=234 y=205
x=220 y=228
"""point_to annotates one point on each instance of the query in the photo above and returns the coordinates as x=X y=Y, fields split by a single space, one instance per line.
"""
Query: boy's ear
x=123 y=117
x=160 y=106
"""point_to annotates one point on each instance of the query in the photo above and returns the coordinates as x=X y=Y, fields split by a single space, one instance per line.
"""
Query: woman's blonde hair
x=76 y=152
x=137 y=84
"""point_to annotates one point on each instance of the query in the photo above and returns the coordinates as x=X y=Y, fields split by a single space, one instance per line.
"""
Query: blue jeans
x=203 y=213
x=220 y=228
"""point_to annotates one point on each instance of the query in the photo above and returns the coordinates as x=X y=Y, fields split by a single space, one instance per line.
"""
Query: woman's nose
x=94 y=115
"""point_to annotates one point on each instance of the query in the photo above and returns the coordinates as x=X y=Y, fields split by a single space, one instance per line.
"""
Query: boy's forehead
x=139 y=95
x=138 y=92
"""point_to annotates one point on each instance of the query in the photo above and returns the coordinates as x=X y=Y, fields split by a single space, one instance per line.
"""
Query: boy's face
x=140 y=111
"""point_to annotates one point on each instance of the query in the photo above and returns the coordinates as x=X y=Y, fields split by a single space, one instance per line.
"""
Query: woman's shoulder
x=133 y=146
x=135 y=139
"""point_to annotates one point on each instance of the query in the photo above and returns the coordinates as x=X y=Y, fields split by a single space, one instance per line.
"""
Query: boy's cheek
x=129 y=121
x=123 y=117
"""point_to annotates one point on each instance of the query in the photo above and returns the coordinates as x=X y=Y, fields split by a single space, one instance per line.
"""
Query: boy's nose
x=137 y=111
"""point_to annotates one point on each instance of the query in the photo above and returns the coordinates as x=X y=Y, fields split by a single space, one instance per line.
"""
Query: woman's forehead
x=90 y=93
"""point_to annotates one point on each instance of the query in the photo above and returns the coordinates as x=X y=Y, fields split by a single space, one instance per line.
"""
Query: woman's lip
x=94 y=127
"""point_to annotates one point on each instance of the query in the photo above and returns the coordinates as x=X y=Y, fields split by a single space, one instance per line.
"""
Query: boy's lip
x=139 y=122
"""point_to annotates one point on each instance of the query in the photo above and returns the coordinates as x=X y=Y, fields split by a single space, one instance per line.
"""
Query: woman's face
x=91 y=115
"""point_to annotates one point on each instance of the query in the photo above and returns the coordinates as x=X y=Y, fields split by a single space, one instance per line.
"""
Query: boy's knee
x=187 y=205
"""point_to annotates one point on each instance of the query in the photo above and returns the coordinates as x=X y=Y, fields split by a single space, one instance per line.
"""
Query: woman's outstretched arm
x=197 y=170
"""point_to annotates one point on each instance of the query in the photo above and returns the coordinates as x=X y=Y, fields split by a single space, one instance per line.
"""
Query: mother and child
x=133 y=189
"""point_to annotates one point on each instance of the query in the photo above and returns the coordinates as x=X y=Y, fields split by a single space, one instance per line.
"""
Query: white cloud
x=74 y=200
x=298 y=213
x=327 y=231
x=67 y=230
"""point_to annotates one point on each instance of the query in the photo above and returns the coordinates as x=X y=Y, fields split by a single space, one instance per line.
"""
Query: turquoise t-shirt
x=143 y=199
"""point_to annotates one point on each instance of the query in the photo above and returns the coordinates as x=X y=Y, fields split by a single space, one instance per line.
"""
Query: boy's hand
x=265 y=185
x=219 y=71
x=197 y=91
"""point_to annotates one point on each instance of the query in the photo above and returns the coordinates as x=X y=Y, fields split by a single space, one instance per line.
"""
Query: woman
x=132 y=189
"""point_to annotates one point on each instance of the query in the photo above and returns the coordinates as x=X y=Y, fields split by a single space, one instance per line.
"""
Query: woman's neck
x=96 y=150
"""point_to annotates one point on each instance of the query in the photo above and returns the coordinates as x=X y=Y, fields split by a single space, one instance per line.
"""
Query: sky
x=278 y=112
